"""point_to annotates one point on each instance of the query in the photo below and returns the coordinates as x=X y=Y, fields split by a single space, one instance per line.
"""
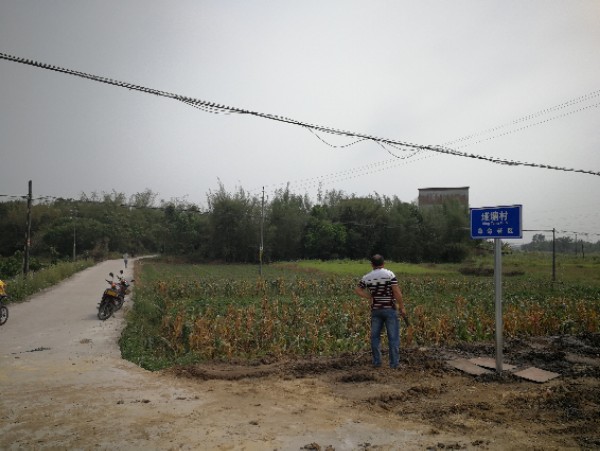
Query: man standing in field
x=380 y=286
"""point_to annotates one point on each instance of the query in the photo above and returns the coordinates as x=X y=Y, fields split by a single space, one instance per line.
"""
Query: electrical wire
x=560 y=116
x=215 y=108
x=563 y=105
x=347 y=174
x=334 y=146
x=566 y=104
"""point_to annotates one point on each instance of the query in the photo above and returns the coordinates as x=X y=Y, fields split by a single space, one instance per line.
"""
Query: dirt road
x=64 y=386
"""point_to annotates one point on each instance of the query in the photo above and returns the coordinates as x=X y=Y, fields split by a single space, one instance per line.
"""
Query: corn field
x=194 y=313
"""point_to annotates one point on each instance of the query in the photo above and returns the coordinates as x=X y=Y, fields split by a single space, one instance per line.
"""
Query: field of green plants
x=190 y=313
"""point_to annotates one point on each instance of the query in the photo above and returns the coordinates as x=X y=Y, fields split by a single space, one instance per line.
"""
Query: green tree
x=364 y=220
x=287 y=219
x=13 y=216
x=404 y=235
x=145 y=199
x=185 y=230
x=233 y=226
x=322 y=238
x=446 y=233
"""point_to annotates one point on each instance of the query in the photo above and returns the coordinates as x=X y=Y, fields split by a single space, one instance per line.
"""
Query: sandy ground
x=64 y=386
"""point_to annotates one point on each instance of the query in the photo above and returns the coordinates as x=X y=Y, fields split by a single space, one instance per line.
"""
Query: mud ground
x=64 y=386
x=491 y=411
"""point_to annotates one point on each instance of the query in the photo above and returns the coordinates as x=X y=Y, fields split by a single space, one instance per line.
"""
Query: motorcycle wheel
x=119 y=303
x=105 y=310
x=3 y=314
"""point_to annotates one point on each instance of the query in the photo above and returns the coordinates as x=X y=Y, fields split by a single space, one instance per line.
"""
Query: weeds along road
x=64 y=385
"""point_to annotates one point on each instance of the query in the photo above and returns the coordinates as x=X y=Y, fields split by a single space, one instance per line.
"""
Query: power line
x=547 y=110
x=332 y=145
x=510 y=132
x=347 y=174
x=215 y=108
x=566 y=104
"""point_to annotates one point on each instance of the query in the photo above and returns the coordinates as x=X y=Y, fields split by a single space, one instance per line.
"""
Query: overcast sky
x=427 y=72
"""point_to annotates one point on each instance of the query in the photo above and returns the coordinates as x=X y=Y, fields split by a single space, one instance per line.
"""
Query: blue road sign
x=496 y=222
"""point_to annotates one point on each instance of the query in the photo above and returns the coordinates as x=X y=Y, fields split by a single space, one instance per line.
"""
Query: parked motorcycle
x=110 y=302
x=3 y=307
x=113 y=297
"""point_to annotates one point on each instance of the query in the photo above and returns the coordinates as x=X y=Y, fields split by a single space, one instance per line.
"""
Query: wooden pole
x=554 y=255
x=28 y=231
x=262 y=225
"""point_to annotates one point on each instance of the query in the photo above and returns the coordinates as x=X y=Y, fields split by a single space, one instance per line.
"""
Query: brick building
x=429 y=197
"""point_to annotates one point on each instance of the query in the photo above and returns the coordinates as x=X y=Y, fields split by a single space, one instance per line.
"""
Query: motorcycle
x=113 y=297
x=3 y=307
x=111 y=302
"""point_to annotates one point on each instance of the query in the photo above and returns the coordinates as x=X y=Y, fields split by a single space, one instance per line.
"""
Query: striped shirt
x=379 y=282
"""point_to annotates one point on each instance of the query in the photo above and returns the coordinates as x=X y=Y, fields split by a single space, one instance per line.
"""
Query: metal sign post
x=498 y=292
x=497 y=223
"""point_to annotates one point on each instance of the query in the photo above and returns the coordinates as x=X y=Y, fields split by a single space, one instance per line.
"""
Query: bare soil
x=65 y=386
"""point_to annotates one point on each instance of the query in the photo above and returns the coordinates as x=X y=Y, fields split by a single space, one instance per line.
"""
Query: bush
x=11 y=266
x=455 y=253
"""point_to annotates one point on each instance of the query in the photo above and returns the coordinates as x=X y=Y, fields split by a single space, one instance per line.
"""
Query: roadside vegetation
x=187 y=313
x=20 y=286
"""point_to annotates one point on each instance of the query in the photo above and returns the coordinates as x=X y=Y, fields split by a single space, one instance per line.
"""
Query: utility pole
x=74 y=243
x=73 y=213
x=554 y=255
x=262 y=224
x=28 y=232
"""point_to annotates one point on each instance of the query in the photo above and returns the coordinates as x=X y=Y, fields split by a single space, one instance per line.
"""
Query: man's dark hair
x=377 y=260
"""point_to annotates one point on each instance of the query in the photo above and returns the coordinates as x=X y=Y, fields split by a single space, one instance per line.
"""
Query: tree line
x=232 y=227
x=561 y=245
x=234 y=224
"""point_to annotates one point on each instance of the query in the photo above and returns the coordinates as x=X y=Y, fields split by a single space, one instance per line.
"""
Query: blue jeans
x=389 y=317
